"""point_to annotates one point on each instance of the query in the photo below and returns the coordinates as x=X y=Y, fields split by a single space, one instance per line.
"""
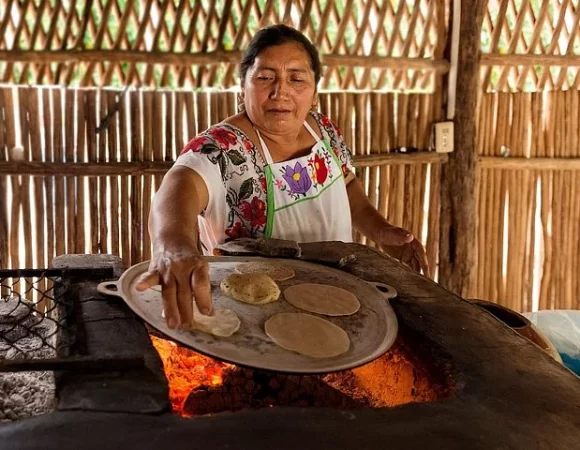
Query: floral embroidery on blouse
x=242 y=173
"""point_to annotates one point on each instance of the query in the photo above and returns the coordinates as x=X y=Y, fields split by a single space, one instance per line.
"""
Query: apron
x=306 y=198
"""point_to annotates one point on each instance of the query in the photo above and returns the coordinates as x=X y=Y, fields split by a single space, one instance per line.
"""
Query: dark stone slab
x=108 y=330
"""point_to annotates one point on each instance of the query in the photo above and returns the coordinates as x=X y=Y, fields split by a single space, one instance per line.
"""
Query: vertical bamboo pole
x=138 y=222
x=47 y=98
x=80 y=155
x=59 y=191
x=112 y=182
x=103 y=185
x=93 y=194
x=4 y=261
x=125 y=224
x=69 y=182
x=148 y=133
x=26 y=211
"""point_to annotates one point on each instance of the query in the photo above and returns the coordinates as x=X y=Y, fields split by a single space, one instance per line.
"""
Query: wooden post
x=458 y=176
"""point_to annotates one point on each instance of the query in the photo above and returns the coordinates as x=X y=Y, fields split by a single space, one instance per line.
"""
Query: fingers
x=184 y=278
x=169 y=298
x=421 y=256
x=201 y=285
x=396 y=236
x=184 y=300
x=148 y=280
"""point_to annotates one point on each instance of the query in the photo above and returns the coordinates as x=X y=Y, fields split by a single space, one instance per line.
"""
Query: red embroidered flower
x=263 y=183
x=224 y=137
x=237 y=231
x=255 y=212
x=325 y=121
x=195 y=144
x=321 y=169
x=248 y=145
x=344 y=170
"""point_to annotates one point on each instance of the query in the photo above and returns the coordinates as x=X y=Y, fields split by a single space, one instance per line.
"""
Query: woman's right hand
x=183 y=274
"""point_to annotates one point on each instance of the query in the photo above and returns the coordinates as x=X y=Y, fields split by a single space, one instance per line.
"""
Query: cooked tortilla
x=278 y=272
x=322 y=299
x=252 y=288
x=308 y=335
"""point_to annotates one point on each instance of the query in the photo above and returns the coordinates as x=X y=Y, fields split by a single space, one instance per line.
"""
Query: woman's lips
x=278 y=111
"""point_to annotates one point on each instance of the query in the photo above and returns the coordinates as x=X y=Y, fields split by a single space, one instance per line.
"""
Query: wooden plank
x=458 y=213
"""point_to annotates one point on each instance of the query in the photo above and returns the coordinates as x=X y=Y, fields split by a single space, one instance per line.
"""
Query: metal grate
x=40 y=327
x=35 y=318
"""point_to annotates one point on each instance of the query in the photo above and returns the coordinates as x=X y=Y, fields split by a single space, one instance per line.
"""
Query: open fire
x=202 y=385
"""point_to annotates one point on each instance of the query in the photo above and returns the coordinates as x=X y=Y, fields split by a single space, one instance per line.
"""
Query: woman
x=277 y=169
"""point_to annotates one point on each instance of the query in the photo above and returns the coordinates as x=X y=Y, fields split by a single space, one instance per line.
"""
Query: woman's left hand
x=402 y=245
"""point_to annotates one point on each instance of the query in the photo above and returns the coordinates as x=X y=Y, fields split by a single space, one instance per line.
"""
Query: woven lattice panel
x=531 y=45
x=380 y=44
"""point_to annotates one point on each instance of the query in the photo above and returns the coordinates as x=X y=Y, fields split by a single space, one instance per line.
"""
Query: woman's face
x=279 y=89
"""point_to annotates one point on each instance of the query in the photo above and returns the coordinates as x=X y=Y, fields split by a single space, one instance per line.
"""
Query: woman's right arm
x=176 y=262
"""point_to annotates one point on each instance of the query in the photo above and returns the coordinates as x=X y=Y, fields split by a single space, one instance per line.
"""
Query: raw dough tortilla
x=223 y=323
x=252 y=288
x=308 y=335
x=322 y=299
x=278 y=272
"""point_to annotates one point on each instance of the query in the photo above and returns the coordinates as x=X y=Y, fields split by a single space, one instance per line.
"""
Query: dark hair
x=278 y=35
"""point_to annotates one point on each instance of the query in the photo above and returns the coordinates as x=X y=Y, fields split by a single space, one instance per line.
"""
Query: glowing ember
x=186 y=370
x=202 y=385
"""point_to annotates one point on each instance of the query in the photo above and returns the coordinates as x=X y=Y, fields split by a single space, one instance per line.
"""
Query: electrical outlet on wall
x=444 y=137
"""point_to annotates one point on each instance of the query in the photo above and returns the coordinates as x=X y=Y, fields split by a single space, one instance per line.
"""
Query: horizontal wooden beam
x=89 y=169
x=101 y=169
x=187 y=59
x=515 y=163
x=500 y=59
x=395 y=159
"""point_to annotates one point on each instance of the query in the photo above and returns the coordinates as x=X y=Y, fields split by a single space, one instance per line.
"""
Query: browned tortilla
x=322 y=299
x=307 y=334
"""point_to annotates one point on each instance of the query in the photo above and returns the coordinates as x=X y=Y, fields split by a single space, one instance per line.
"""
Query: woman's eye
x=298 y=80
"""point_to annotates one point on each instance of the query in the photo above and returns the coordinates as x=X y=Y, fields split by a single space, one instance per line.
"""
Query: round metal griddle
x=372 y=330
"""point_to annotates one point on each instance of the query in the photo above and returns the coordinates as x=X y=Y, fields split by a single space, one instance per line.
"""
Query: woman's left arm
x=396 y=241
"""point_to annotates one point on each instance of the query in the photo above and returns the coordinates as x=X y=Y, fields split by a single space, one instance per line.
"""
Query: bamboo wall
x=529 y=142
x=529 y=209
x=85 y=186
x=389 y=55
x=376 y=44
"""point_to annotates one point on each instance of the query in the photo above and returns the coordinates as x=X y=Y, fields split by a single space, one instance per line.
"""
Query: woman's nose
x=280 y=88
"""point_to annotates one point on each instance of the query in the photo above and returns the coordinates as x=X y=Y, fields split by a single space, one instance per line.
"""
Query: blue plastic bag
x=562 y=329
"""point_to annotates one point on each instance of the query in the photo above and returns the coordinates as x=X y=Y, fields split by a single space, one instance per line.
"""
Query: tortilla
x=307 y=334
x=278 y=272
x=223 y=323
x=322 y=299
x=252 y=288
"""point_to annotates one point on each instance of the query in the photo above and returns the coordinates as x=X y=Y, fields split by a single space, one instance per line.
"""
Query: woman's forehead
x=289 y=54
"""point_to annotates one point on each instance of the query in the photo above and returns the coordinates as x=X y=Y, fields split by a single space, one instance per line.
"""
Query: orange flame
x=186 y=370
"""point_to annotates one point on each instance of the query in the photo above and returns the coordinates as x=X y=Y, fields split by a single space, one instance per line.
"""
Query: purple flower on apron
x=297 y=178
